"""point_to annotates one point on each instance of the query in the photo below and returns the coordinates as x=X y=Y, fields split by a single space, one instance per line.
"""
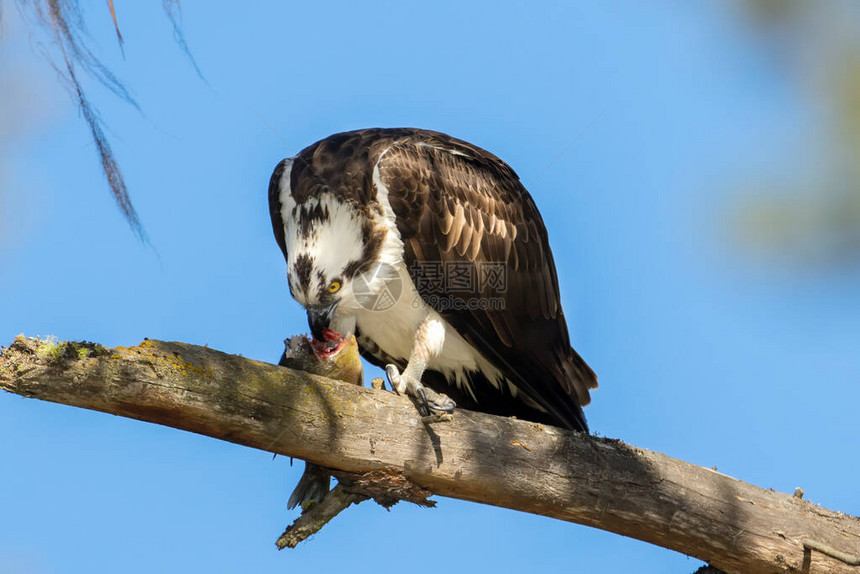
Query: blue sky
x=703 y=351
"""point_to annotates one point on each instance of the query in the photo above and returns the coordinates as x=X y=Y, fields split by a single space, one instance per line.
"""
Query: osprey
x=432 y=253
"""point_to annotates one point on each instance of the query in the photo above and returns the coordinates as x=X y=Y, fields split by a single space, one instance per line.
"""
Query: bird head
x=328 y=260
x=325 y=290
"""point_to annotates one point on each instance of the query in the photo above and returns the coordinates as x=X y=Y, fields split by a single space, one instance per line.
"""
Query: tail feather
x=312 y=486
x=580 y=377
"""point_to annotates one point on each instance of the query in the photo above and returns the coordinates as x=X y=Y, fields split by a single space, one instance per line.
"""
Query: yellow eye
x=333 y=287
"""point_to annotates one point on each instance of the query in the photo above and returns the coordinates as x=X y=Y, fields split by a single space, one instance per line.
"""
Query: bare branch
x=604 y=483
x=312 y=520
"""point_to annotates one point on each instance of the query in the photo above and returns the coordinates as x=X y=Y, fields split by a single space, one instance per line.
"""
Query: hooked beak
x=319 y=318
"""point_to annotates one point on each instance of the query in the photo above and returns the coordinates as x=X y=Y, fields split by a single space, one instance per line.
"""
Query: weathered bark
x=604 y=483
x=311 y=521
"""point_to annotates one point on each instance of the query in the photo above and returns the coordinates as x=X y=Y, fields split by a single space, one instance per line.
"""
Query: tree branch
x=309 y=523
x=604 y=483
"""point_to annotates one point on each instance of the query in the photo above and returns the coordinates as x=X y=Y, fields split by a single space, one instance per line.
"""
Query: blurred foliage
x=60 y=27
x=63 y=28
x=768 y=11
x=816 y=225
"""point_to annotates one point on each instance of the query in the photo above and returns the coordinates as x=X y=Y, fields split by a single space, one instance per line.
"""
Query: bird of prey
x=432 y=253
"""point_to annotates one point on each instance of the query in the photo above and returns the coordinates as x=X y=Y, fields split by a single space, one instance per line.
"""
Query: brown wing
x=463 y=210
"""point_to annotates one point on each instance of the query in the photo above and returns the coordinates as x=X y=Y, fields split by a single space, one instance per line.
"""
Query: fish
x=335 y=357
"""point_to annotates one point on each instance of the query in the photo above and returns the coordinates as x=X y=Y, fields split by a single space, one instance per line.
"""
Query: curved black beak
x=319 y=318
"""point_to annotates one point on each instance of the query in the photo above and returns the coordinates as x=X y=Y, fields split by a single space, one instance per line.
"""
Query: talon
x=424 y=408
x=440 y=403
x=397 y=383
x=427 y=401
x=446 y=408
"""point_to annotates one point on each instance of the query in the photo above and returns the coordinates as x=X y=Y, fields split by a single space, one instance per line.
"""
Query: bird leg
x=428 y=400
x=428 y=343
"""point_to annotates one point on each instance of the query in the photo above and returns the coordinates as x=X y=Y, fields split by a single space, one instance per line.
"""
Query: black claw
x=446 y=408
x=423 y=405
